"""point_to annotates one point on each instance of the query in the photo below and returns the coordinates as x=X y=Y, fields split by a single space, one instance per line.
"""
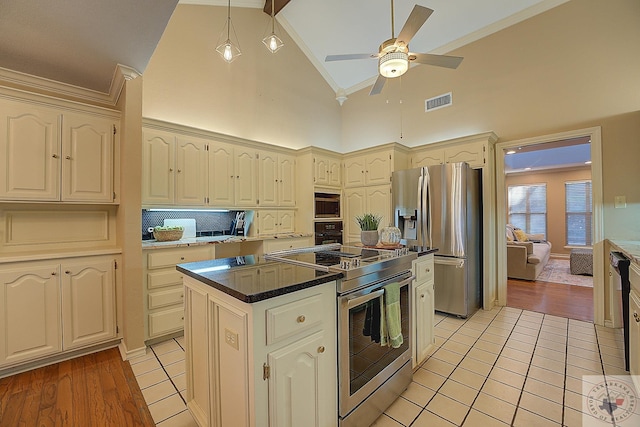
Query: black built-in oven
x=328 y=232
x=327 y=205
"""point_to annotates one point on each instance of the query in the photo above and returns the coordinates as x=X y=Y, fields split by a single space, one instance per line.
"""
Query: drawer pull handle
x=321 y=349
x=300 y=319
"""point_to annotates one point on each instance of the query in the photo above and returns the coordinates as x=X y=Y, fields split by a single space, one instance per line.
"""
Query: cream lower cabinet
x=423 y=309
x=164 y=294
x=271 y=363
x=50 y=307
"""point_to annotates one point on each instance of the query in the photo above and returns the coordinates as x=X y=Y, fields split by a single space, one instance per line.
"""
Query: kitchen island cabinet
x=261 y=351
x=423 y=309
x=50 y=307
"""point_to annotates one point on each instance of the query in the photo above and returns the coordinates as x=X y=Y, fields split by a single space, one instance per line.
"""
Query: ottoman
x=581 y=261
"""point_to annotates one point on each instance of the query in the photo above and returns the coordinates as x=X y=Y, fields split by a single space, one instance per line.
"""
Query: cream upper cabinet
x=87 y=164
x=233 y=175
x=276 y=221
x=368 y=169
x=376 y=200
x=49 y=155
x=158 y=163
x=327 y=171
x=174 y=169
x=470 y=152
x=190 y=171
x=88 y=302
x=276 y=179
x=30 y=325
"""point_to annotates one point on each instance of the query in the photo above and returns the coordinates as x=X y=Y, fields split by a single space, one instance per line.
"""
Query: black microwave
x=327 y=205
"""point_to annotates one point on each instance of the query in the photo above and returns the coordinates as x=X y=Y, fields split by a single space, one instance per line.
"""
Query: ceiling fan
x=393 y=54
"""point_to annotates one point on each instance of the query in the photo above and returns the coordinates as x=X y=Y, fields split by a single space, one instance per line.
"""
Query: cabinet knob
x=55 y=156
x=54 y=273
x=67 y=272
x=170 y=169
x=300 y=319
x=321 y=349
x=428 y=270
x=68 y=157
x=181 y=258
x=422 y=296
x=635 y=316
x=237 y=176
x=179 y=170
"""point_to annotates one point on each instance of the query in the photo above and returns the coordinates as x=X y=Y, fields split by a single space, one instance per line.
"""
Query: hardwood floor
x=573 y=302
x=94 y=390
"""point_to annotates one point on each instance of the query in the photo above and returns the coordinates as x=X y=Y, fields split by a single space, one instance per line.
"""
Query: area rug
x=557 y=271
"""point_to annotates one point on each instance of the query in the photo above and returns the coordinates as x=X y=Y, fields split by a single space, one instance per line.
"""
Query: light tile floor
x=501 y=367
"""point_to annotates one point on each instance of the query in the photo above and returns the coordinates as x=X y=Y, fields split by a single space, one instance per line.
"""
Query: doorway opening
x=549 y=189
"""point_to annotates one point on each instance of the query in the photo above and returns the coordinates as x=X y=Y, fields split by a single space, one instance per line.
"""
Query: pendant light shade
x=228 y=46
x=271 y=40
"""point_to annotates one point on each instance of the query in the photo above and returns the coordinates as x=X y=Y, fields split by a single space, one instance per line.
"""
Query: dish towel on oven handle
x=391 y=320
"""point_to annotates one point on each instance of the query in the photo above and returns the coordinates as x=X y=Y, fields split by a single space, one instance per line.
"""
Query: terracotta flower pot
x=369 y=238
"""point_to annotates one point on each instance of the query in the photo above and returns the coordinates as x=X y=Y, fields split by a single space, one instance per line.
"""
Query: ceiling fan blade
x=350 y=56
x=378 y=85
x=437 y=60
x=416 y=19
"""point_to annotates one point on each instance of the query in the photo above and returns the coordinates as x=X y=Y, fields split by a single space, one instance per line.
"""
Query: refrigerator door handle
x=421 y=220
x=426 y=207
x=457 y=262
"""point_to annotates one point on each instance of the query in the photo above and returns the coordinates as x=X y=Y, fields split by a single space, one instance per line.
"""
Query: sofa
x=527 y=254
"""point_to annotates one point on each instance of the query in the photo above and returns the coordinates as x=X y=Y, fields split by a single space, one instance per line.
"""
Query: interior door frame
x=598 y=224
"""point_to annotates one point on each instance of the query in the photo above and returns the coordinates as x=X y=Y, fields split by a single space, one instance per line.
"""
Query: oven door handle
x=356 y=301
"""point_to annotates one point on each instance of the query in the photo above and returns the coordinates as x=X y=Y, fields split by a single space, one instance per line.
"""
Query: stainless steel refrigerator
x=441 y=207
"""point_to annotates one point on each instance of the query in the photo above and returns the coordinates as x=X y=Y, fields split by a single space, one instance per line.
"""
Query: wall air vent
x=438 y=102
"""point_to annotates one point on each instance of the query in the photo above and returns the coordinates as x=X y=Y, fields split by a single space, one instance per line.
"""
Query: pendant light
x=229 y=49
x=272 y=41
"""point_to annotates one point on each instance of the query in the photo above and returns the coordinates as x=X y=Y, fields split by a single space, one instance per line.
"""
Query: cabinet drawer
x=160 y=279
x=171 y=257
x=423 y=268
x=166 y=298
x=634 y=277
x=166 y=321
x=292 y=318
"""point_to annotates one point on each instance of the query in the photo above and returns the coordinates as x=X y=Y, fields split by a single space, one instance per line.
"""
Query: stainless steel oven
x=371 y=376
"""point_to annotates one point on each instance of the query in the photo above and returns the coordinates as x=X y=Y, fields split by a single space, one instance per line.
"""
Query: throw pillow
x=510 y=236
x=521 y=236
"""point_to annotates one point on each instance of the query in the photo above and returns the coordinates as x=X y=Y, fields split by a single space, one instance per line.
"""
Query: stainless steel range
x=371 y=375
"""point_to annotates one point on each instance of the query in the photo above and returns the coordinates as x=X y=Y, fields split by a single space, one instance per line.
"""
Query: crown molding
x=121 y=74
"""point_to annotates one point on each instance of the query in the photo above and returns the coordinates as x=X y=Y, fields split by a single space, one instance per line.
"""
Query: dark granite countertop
x=227 y=275
x=423 y=250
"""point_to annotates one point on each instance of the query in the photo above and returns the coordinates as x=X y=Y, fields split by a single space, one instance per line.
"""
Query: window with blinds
x=528 y=207
x=578 y=205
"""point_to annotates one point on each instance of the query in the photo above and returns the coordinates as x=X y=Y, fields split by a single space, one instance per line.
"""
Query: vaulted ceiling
x=82 y=42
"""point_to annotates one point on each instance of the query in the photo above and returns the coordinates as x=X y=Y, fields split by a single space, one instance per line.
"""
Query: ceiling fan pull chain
x=393 y=31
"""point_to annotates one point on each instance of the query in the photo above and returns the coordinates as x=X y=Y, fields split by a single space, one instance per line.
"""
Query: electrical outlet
x=231 y=338
x=620 y=202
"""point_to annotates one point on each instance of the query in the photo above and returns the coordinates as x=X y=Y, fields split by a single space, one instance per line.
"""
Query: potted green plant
x=368 y=223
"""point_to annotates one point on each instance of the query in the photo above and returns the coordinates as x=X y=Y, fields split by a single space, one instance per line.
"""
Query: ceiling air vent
x=438 y=102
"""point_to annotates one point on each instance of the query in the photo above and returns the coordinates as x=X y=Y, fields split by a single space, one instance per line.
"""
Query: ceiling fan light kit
x=393 y=64
x=229 y=49
x=393 y=54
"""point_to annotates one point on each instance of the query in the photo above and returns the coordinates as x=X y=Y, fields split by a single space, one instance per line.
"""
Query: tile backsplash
x=207 y=223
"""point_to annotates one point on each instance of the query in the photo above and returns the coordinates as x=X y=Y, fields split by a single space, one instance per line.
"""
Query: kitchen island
x=261 y=343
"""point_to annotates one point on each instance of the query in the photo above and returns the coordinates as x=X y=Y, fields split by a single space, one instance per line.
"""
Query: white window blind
x=528 y=207
x=579 y=204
